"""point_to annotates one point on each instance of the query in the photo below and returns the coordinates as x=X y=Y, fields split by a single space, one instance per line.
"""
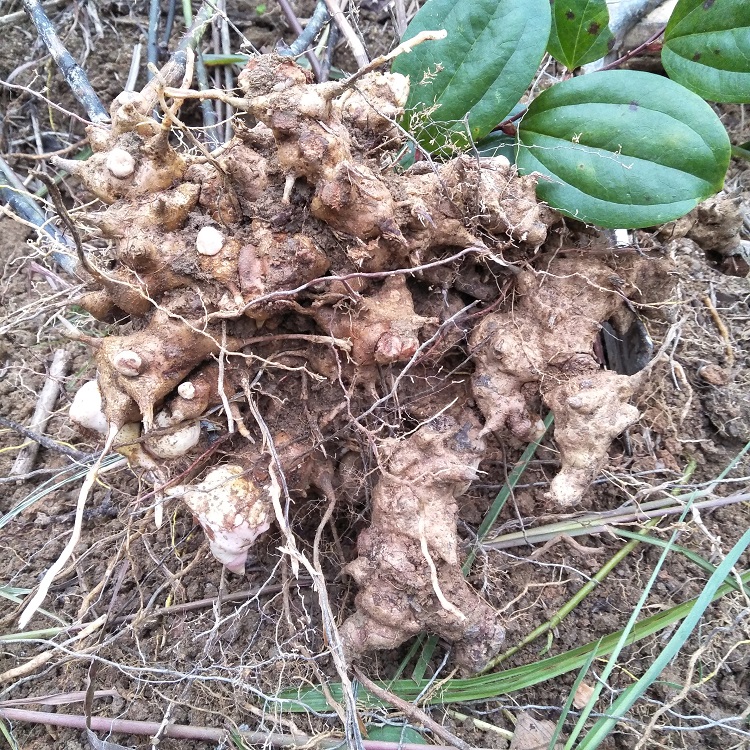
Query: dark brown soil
x=215 y=663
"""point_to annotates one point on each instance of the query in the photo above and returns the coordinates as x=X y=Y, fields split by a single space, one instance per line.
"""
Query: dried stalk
x=44 y=408
x=71 y=70
x=191 y=732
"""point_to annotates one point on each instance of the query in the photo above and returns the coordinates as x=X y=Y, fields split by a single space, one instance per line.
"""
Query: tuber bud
x=232 y=510
x=209 y=241
x=173 y=444
x=186 y=390
x=128 y=363
x=120 y=163
x=87 y=410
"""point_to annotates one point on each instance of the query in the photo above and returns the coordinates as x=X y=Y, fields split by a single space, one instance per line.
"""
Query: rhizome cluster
x=298 y=297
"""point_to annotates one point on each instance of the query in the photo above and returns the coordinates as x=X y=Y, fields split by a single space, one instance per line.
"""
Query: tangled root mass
x=292 y=288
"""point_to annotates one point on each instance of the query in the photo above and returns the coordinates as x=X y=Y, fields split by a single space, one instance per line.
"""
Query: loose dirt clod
x=292 y=289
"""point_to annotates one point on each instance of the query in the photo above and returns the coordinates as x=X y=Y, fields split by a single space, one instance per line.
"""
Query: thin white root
x=44 y=585
x=159 y=510
x=444 y=603
x=291 y=542
x=224 y=400
x=288 y=187
x=275 y=488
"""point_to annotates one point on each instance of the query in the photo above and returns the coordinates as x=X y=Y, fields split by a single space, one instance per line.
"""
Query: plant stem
x=191 y=732
x=208 y=112
x=44 y=441
x=21 y=203
x=171 y=10
x=633 y=52
x=293 y=21
x=572 y=603
x=596 y=524
x=71 y=70
x=152 y=46
x=319 y=19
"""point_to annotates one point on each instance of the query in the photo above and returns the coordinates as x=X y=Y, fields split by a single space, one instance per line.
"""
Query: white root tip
x=120 y=163
x=209 y=241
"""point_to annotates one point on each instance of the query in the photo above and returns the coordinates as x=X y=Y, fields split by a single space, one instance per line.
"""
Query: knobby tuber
x=544 y=346
x=233 y=511
x=409 y=567
x=297 y=294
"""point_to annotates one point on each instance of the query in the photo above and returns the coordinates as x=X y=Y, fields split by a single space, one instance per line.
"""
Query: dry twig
x=44 y=407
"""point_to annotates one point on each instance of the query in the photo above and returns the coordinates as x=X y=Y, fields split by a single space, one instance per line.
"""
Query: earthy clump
x=331 y=317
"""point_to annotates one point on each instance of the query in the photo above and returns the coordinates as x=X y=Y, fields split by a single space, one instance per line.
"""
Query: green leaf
x=623 y=149
x=464 y=85
x=401 y=735
x=707 y=48
x=580 y=32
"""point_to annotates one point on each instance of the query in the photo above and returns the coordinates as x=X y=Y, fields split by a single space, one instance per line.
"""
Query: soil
x=188 y=642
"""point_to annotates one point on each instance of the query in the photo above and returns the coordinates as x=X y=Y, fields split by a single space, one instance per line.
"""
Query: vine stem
x=633 y=52
x=71 y=70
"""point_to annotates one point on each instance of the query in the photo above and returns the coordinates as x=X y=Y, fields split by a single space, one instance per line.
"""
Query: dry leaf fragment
x=531 y=734
x=583 y=695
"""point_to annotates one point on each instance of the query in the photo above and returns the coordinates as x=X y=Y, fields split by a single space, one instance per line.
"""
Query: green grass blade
x=52 y=485
x=639 y=606
x=571 y=604
x=506 y=492
x=507 y=681
x=31 y=635
x=5 y=732
x=689 y=554
x=622 y=705
x=571 y=697
x=424 y=658
x=418 y=641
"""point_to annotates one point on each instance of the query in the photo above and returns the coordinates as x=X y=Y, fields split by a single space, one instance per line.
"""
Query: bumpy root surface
x=263 y=313
x=408 y=567
x=544 y=346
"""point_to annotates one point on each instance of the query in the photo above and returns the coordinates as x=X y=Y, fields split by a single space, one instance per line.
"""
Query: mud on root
x=297 y=296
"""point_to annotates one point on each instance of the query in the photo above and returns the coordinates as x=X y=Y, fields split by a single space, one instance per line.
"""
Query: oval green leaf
x=464 y=85
x=707 y=48
x=498 y=144
x=623 y=149
x=580 y=32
